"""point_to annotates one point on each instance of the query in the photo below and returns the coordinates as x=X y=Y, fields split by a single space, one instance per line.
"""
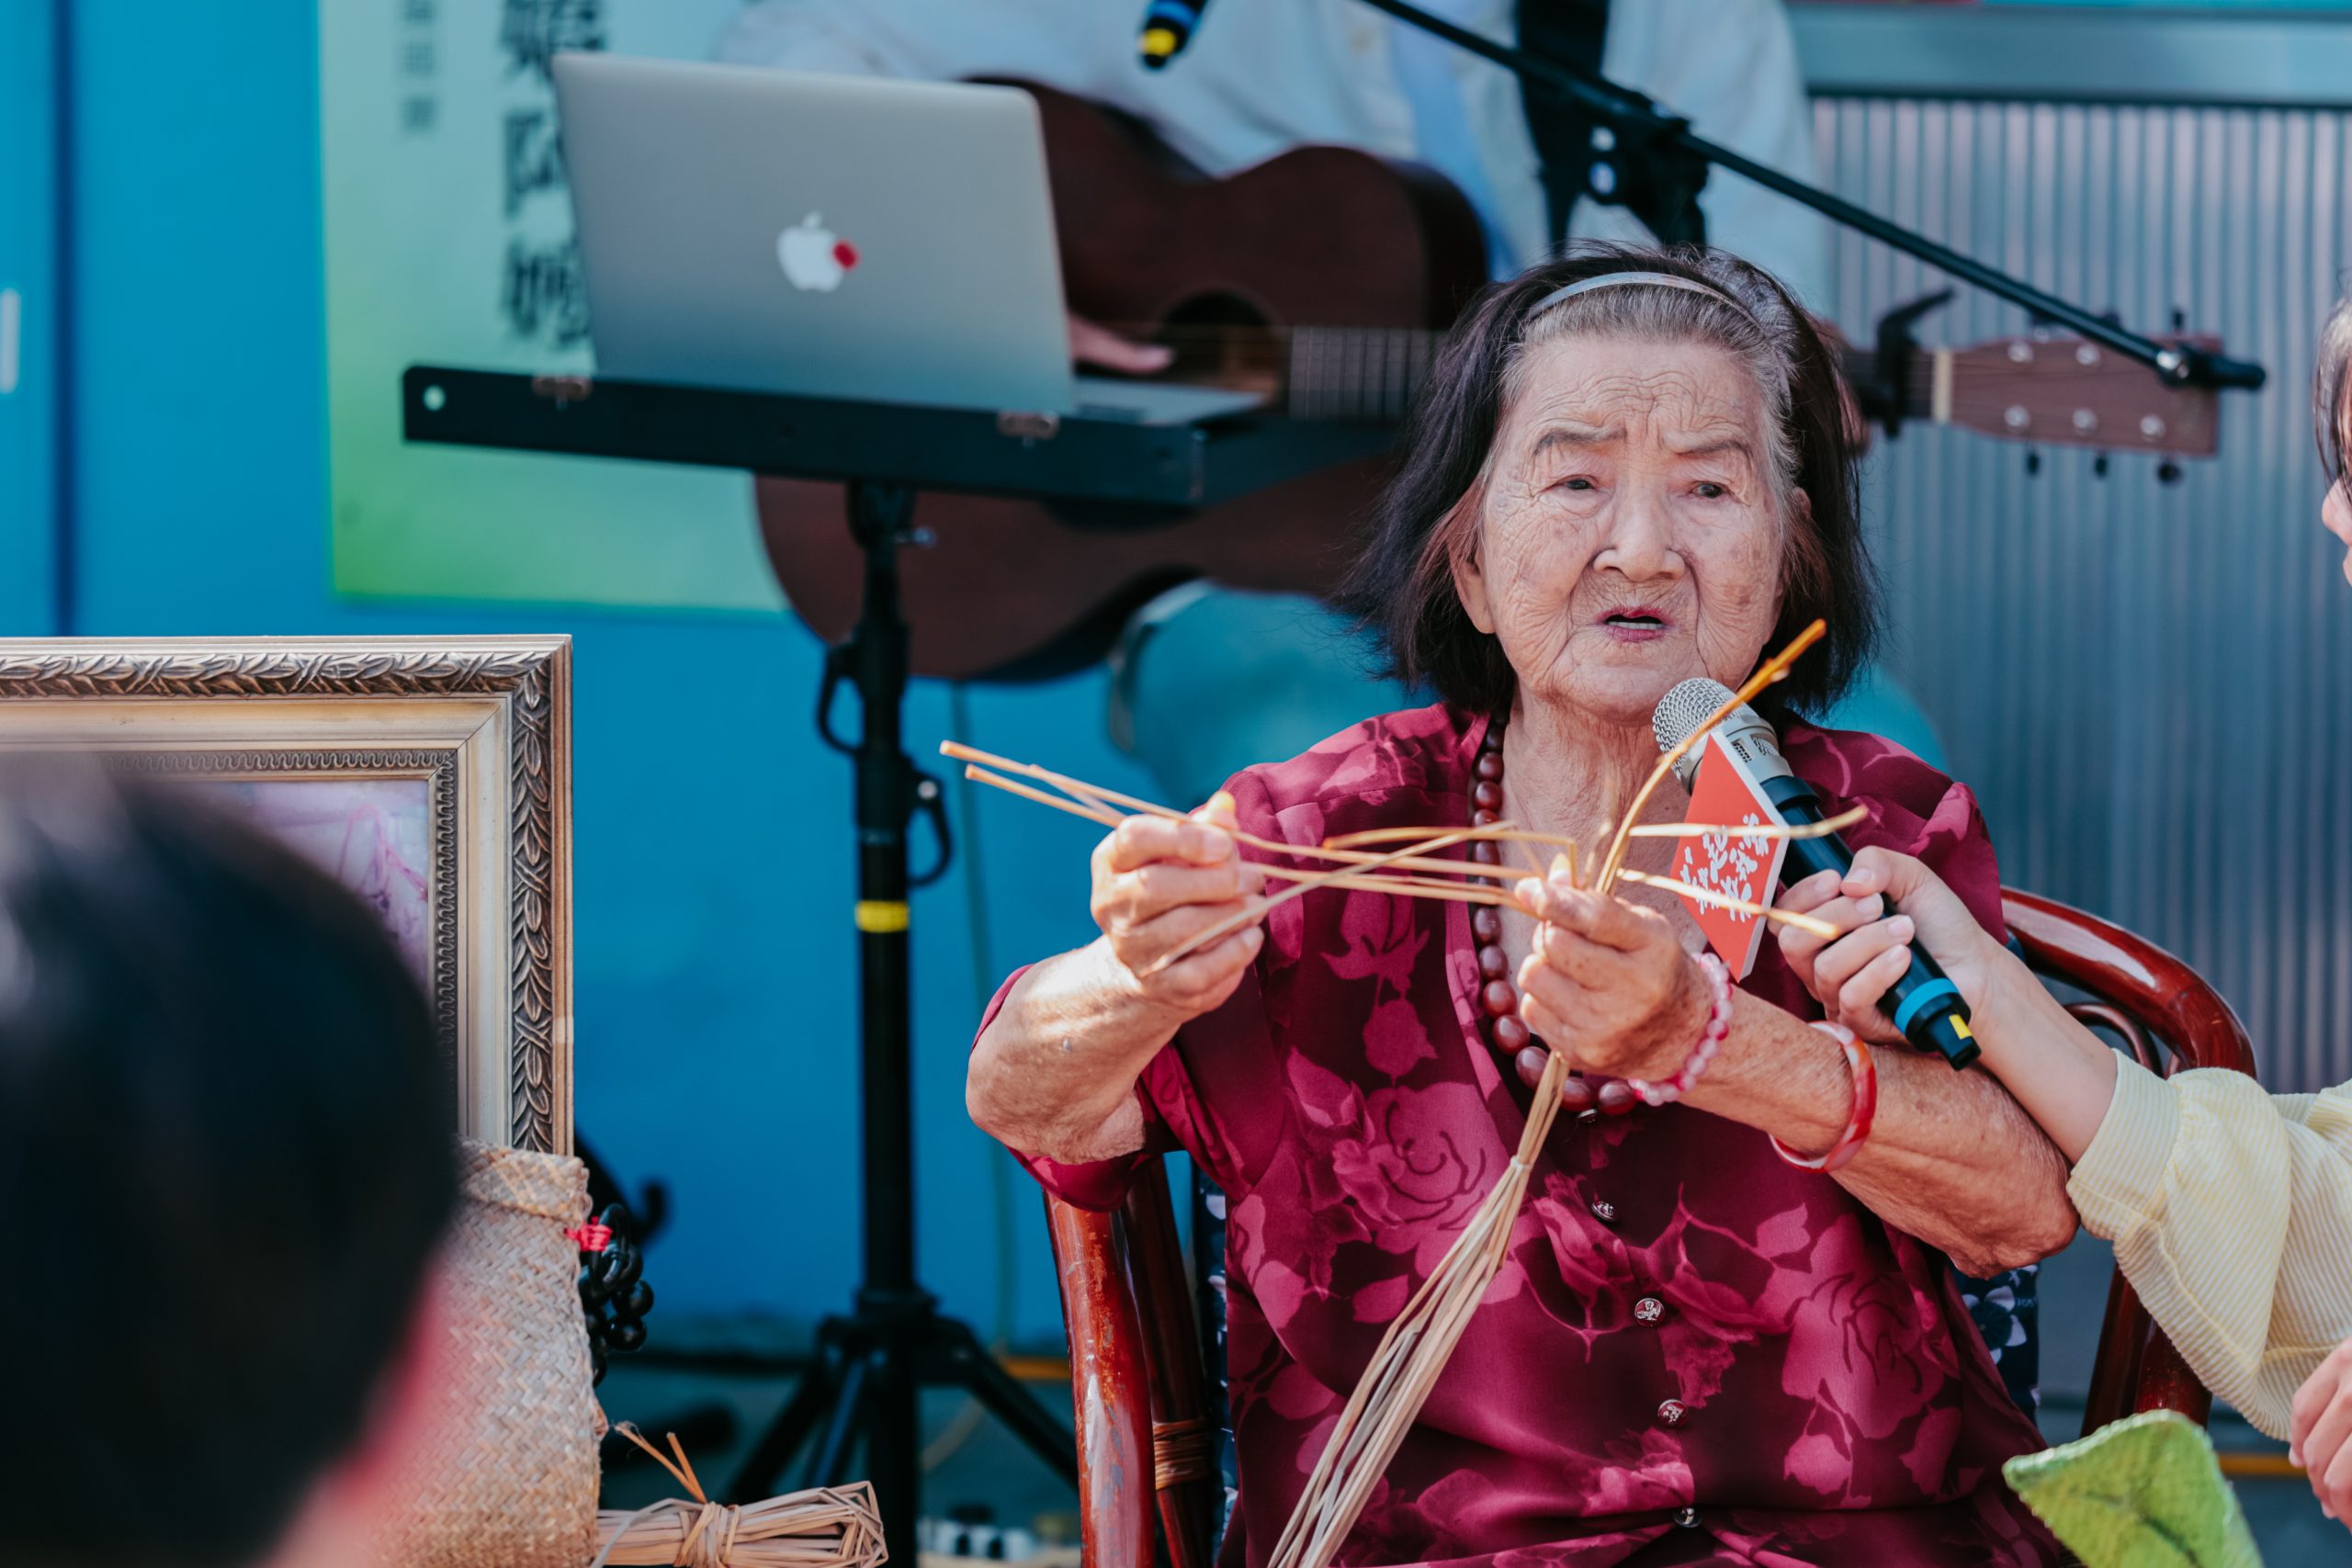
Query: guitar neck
x=1355 y=373
x=2054 y=390
x=1372 y=373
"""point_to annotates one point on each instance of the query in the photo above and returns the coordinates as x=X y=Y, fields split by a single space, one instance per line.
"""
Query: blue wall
x=716 y=1010
x=27 y=253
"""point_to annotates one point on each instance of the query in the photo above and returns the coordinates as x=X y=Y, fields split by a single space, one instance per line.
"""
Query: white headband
x=1615 y=279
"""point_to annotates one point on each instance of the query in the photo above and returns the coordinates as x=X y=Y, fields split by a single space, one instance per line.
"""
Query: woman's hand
x=2318 y=1422
x=1849 y=976
x=1608 y=983
x=1159 y=883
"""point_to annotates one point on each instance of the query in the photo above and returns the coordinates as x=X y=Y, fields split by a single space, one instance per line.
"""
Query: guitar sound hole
x=1223 y=340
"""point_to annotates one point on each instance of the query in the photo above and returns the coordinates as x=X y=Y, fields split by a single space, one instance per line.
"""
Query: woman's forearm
x=1054 y=1072
x=2056 y=1068
x=1951 y=1160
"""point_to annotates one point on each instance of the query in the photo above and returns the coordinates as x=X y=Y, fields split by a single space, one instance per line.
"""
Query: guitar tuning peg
x=2032 y=463
x=2168 y=473
x=2099 y=465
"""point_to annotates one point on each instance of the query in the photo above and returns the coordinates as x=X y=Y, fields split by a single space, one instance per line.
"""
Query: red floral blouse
x=1693 y=1353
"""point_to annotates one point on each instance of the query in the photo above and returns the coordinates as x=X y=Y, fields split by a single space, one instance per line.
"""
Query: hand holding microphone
x=1884 y=904
x=1922 y=1003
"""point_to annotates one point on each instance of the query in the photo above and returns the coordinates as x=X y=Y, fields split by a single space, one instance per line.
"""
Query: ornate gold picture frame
x=432 y=775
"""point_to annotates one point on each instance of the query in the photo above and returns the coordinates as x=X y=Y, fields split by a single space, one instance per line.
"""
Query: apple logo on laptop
x=813 y=256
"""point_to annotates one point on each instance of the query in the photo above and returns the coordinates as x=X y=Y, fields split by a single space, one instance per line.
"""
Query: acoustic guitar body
x=1319 y=236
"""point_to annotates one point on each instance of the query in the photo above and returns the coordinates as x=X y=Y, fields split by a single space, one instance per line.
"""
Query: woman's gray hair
x=1720 y=317
x=2328 y=387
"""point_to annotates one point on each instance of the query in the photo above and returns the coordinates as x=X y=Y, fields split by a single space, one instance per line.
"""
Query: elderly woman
x=1629 y=468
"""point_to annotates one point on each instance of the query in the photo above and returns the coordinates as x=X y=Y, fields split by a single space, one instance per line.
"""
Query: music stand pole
x=867 y=1374
x=885 y=806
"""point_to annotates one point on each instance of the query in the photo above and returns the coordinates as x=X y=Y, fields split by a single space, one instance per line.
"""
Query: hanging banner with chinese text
x=449 y=242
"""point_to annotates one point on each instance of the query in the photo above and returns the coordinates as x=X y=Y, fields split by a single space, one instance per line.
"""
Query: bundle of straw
x=1405 y=1365
x=832 y=1527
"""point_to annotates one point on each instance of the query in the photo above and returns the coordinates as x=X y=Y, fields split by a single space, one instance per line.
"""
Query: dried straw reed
x=832 y=1527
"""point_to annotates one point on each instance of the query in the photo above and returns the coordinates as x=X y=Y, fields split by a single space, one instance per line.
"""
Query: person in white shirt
x=1263 y=75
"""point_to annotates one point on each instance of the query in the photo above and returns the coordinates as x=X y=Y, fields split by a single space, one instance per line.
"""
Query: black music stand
x=871 y=1364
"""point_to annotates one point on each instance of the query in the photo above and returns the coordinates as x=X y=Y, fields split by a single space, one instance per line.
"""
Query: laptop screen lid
x=825 y=235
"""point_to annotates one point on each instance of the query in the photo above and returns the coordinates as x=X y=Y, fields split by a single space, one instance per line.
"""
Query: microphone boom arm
x=1634 y=118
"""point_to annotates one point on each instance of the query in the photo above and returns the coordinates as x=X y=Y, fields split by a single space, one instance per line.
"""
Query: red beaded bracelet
x=1711 y=1035
x=1864 y=1067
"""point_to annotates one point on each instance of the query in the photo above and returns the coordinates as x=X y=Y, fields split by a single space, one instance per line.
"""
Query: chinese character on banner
x=534 y=155
x=534 y=31
x=1736 y=866
x=420 y=70
x=542 y=295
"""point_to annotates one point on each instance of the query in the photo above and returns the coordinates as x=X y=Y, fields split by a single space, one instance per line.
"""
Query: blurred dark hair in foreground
x=225 y=1141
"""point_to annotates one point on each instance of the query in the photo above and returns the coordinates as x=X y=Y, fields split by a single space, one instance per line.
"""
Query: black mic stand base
x=870 y=1367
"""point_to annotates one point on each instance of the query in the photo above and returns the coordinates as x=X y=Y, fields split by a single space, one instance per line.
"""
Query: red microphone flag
x=1737 y=867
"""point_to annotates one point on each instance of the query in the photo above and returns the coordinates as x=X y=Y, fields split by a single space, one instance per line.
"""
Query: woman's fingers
x=1572 y=981
x=1199 y=981
x=1836 y=964
x=1609 y=922
x=1804 y=897
x=1804 y=948
x=1162 y=881
x=1558 y=953
x=1149 y=865
x=2313 y=1398
x=1140 y=840
x=1798 y=945
x=2333 y=1484
x=1859 y=1004
x=1873 y=871
x=1140 y=943
x=1543 y=1020
x=2327 y=1457
x=1141 y=896
x=1821 y=897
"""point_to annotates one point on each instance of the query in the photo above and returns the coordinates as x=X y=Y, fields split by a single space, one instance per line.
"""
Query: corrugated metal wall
x=2149 y=685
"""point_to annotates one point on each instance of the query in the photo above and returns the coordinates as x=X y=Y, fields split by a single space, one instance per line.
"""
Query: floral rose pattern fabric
x=1693 y=1353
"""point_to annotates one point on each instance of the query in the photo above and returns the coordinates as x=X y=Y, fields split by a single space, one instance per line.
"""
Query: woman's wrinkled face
x=2335 y=513
x=1628 y=537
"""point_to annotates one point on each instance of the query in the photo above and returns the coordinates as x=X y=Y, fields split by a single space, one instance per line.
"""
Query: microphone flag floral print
x=1741 y=869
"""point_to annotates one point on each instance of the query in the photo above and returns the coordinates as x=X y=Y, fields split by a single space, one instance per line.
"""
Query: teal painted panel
x=28 y=314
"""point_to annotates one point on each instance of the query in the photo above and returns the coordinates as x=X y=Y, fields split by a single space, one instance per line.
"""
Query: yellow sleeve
x=2231 y=1211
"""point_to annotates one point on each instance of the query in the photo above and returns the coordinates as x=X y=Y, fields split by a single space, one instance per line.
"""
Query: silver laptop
x=831 y=236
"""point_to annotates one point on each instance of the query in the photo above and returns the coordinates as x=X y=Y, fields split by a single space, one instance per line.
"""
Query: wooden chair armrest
x=1110 y=1388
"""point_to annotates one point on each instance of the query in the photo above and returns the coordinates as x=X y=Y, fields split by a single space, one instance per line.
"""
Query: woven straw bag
x=511 y=1483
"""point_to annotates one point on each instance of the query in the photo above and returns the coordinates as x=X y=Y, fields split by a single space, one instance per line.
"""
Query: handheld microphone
x=1167 y=27
x=1925 y=1005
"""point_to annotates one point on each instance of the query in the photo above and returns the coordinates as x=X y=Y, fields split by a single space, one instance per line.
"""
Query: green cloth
x=2144 y=1492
